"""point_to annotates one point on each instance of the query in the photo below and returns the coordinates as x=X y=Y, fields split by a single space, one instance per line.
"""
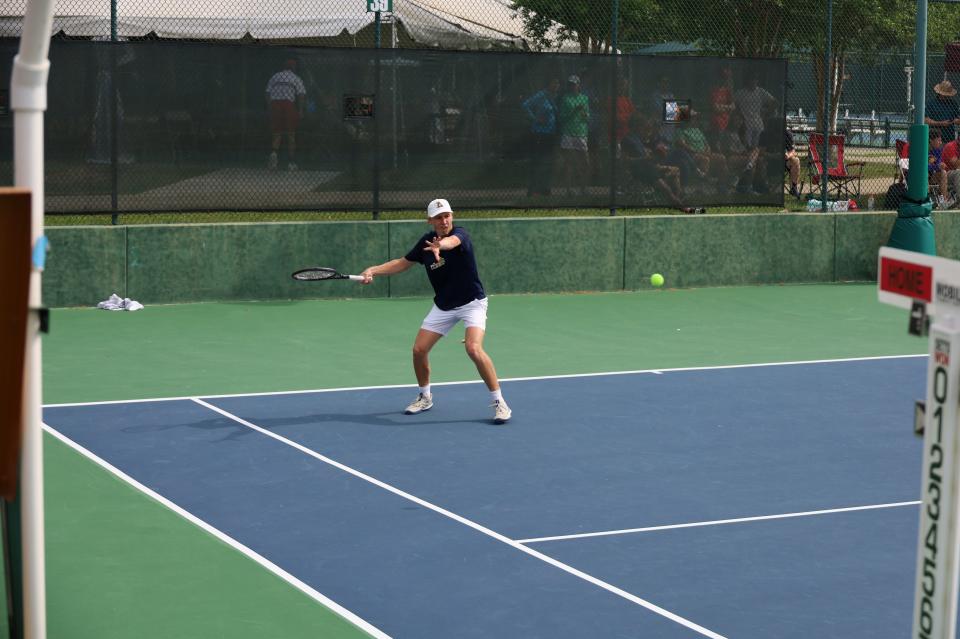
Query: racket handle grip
x=356 y=278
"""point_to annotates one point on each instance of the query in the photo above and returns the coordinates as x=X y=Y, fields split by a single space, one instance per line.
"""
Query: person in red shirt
x=950 y=156
x=624 y=112
x=721 y=103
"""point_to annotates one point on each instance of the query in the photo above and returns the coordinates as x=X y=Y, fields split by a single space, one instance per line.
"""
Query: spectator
x=791 y=161
x=588 y=89
x=286 y=95
x=693 y=140
x=735 y=154
x=941 y=111
x=574 y=119
x=541 y=110
x=721 y=104
x=936 y=170
x=646 y=166
x=623 y=113
x=753 y=104
x=951 y=162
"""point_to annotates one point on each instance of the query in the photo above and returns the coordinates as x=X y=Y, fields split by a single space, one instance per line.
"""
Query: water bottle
x=870 y=203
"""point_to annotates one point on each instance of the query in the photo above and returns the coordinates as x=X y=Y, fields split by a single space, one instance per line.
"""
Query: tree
x=746 y=28
x=549 y=23
x=867 y=28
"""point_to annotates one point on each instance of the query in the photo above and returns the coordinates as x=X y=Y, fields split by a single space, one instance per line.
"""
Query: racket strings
x=316 y=274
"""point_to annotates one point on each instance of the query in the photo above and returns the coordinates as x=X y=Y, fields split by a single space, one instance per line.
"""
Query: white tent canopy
x=469 y=24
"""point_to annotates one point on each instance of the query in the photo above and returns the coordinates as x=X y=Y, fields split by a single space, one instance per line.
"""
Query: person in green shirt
x=574 y=115
x=693 y=140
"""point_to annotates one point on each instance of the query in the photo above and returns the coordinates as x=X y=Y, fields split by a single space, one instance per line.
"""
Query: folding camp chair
x=843 y=178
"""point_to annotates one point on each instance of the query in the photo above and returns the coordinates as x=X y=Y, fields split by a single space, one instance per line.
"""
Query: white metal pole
x=28 y=99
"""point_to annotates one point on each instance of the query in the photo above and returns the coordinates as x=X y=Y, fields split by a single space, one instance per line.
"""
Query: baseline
x=652 y=371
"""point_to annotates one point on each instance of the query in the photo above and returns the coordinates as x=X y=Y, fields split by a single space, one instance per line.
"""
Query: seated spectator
x=737 y=157
x=692 y=139
x=644 y=157
x=791 y=162
x=936 y=170
x=951 y=162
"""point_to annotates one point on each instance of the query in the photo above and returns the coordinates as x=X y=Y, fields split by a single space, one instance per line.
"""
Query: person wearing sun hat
x=942 y=110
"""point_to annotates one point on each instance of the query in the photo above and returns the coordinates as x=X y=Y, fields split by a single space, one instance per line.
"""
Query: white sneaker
x=420 y=404
x=501 y=412
x=272 y=161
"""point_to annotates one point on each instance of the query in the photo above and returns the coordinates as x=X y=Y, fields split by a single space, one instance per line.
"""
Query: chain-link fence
x=175 y=115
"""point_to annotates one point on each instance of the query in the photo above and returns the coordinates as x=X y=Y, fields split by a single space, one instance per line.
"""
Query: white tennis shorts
x=472 y=314
x=573 y=143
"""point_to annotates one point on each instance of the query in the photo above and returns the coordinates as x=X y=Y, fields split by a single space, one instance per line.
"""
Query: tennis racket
x=321 y=273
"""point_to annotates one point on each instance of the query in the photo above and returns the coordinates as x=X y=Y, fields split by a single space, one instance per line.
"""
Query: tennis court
x=712 y=462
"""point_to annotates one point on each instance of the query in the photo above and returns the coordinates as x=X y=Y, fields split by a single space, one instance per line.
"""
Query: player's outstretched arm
x=392 y=267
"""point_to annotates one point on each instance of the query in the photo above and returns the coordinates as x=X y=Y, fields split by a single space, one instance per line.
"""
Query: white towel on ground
x=117 y=303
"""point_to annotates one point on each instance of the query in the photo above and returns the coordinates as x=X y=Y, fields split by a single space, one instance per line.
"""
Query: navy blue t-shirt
x=454 y=278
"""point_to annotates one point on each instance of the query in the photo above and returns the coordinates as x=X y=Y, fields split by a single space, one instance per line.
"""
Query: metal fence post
x=114 y=127
x=827 y=90
x=614 y=60
x=376 y=121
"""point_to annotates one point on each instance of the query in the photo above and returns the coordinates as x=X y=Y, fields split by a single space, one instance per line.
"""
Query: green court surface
x=121 y=565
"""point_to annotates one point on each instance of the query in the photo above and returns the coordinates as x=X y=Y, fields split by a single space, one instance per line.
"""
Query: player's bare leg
x=473 y=343
x=422 y=345
x=424 y=341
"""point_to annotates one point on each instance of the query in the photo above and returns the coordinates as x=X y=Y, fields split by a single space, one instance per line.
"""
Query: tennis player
x=447 y=255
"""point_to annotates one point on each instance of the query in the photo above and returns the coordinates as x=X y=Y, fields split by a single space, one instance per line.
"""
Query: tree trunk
x=835 y=77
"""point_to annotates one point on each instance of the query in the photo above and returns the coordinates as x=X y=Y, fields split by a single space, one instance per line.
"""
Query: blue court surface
x=748 y=502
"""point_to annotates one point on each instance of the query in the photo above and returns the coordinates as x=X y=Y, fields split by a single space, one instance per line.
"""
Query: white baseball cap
x=437 y=207
x=574 y=79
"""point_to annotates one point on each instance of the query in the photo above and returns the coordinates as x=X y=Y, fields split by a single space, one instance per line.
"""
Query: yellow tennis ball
x=656 y=279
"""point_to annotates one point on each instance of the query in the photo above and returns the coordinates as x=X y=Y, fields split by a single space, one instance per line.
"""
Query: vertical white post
x=28 y=99
x=935 y=598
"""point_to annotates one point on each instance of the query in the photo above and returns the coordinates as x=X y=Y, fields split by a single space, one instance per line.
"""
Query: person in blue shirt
x=942 y=112
x=936 y=169
x=446 y=253
x=541 y=111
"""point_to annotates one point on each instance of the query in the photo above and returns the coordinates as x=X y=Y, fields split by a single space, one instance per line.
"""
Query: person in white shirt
x=286 y=95
x=754 y=104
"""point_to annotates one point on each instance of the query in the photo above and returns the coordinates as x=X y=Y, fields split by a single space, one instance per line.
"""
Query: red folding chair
x=843 y=178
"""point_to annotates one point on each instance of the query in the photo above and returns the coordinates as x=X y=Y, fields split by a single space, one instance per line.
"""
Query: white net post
x=28 y=100
x=935 y=597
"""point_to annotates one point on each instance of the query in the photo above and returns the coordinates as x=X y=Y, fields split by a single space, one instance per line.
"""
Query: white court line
x=471 y=524
x=222 y=536
x=654 y=371
x=718 y=522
